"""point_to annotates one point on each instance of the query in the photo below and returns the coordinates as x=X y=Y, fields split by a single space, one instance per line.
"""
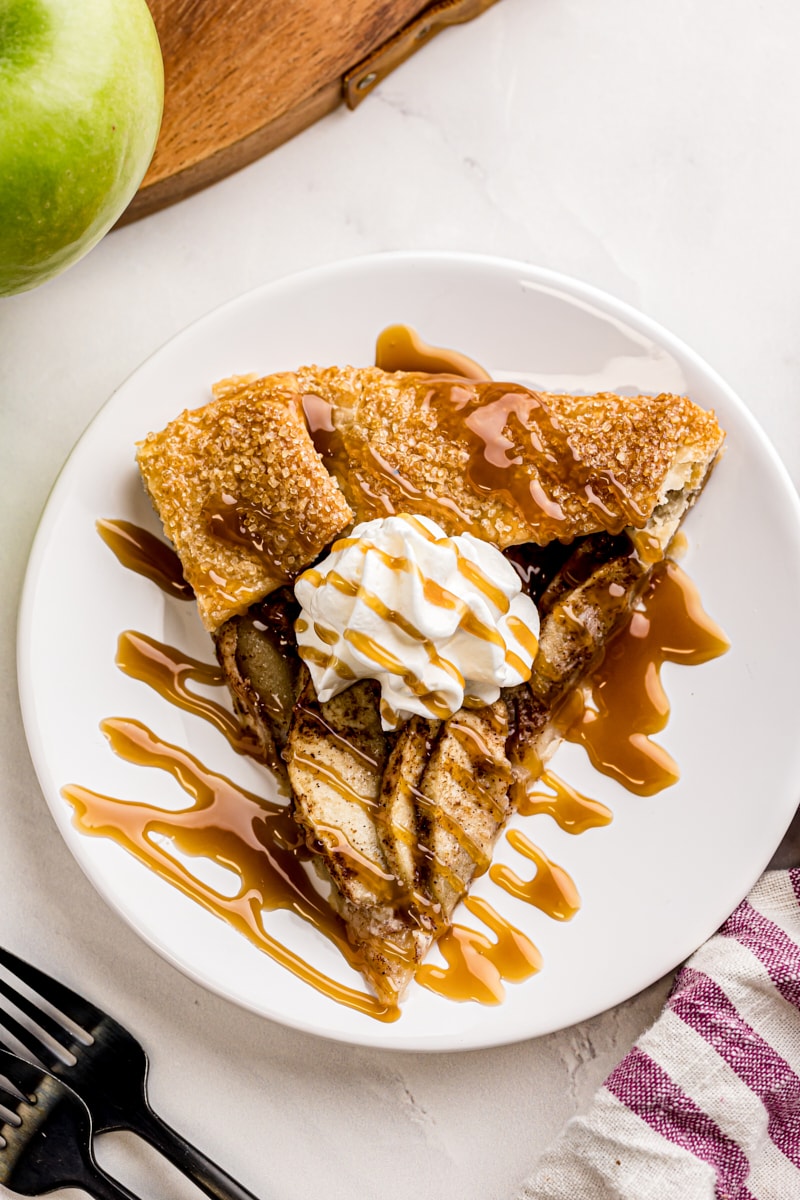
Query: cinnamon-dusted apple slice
x=336 y=755
x=398 y=817
x=242 y=494
x=464 y=800
x=585 y=604
x=257 y=652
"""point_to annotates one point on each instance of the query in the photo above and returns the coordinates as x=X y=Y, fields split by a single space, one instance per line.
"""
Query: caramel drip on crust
x=501 y=429
x=167 y=670
x=145 y=554
x=483 y=420
x=572 y=811
x=475 y=964
x=253 y=527
x=367 y=479
x=256 y=840
x=623 y=703
x=551 y=889
x=400 y=348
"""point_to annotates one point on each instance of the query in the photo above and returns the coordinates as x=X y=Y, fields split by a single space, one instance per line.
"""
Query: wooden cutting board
x=242 y=76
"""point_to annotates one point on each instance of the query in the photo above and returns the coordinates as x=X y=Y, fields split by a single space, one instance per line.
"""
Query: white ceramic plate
x=664 y=874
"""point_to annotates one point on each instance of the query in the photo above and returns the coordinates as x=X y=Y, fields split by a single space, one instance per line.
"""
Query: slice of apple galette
x=405 y=576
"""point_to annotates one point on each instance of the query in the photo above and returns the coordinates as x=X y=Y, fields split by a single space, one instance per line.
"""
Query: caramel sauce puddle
x=475 y=965
x=552 y=889
x=623 y=702
x=400 y=348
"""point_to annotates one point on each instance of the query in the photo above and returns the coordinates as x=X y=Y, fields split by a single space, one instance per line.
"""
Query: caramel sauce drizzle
x=551 y=889
x=384 y=660
x=475 y=965
x=350 y=747
x=494 y=464
x=329 y=775
x=479 y=755
x=456 y=831
x=326 y=661
x=167 y=670
x=525 y=636
x=570 y=809
x=623 y=702
x=433 y=592
x=382 y=883
x=146 y=555
x=255 y=839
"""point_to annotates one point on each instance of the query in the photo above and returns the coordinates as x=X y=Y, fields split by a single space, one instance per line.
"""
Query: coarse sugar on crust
x=508 y=464
x=244 y=466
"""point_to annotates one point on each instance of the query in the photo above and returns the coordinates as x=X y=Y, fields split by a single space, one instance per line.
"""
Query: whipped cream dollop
x=438 y=621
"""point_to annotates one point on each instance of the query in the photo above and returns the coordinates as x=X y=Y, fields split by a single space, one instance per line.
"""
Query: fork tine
x=20 y=1074
x=52 y=1027
x=29 y=1039
x=61 y=997
x=8 y=1100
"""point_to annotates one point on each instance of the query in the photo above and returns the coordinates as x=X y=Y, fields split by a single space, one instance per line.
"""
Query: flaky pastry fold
x=242 y=494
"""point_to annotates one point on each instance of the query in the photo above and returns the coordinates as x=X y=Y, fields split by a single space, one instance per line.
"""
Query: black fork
x=103 y=1063
x=46 y=1135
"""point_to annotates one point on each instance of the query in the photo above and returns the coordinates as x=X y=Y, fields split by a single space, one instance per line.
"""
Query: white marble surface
x=649 y=149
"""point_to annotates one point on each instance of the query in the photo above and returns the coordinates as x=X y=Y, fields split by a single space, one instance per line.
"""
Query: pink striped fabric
x=706 y=1106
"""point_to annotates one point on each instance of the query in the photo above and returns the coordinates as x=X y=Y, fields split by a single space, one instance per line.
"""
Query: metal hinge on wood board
x=360 y=81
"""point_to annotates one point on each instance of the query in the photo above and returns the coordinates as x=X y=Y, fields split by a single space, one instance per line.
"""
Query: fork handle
x=187 y=1158
x=102 y=1186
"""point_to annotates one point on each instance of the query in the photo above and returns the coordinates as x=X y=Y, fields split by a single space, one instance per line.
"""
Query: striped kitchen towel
x=706 y=1106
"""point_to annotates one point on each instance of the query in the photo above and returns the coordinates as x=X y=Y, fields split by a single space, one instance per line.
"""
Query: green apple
x=81 y=96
